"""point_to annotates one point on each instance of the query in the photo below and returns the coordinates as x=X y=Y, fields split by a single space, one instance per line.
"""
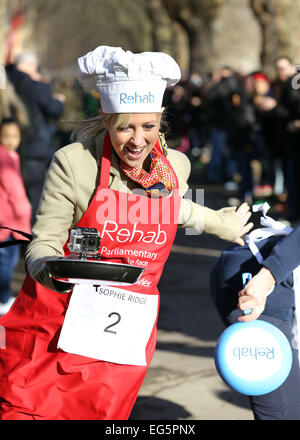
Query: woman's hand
x=254 y=294
x=44 y=277
x=243 y=213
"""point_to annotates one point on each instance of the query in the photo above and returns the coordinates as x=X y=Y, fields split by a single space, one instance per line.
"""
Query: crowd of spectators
x=243 y=131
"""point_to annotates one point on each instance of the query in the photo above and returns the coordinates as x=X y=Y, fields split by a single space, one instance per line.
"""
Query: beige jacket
x=71 y=184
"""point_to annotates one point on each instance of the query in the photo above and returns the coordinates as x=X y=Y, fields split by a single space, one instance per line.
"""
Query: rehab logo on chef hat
x=128 y=82
x=253 y=358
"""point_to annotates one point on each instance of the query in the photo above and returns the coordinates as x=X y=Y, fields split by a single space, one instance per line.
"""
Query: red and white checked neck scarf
x=159 y=181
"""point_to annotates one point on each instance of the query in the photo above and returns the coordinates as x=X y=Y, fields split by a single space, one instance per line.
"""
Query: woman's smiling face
x=134 y=142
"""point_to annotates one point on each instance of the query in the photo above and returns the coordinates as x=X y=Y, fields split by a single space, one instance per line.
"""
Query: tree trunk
x=161 y=27
x=180 y=47
x=200 y=41
x=264 y=11
x=201 y=47
x=196 y=18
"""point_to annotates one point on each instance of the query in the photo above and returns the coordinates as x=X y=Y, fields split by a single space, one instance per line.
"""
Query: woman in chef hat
x=82 y=351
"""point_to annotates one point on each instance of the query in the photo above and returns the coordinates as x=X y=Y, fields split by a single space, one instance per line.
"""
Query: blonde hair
x=90 y=128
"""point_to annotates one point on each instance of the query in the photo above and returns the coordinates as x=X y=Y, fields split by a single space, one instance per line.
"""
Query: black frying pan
x=95 y=272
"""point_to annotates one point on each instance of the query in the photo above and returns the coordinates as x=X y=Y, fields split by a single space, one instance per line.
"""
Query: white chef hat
x=128 y=82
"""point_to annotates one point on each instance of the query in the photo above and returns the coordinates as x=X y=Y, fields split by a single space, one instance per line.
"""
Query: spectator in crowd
x=15 y=210
x=221 y=167
x=74 y=108
x=264 y=137
x=240 y=127
x=11 y=105
x=197 y=127
x=43 y=108
x=285 y=106
x=288 y=109
x=175 y=102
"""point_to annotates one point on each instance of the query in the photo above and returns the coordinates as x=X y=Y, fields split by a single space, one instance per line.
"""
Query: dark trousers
x=222 y=165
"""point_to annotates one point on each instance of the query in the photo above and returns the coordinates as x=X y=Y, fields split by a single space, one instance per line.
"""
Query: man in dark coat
x=285 y=110
x=222 y=166
x=43 y=109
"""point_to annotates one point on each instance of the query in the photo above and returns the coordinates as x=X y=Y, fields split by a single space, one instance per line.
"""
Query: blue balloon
x=253 y=358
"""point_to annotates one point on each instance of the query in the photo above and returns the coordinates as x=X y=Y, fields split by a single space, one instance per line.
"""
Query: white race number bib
x=109 y=324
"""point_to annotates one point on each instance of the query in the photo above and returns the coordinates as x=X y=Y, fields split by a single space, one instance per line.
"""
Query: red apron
x=39 y=380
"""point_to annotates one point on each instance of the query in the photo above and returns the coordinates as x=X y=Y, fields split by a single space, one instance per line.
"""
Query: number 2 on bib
x=114 y=323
